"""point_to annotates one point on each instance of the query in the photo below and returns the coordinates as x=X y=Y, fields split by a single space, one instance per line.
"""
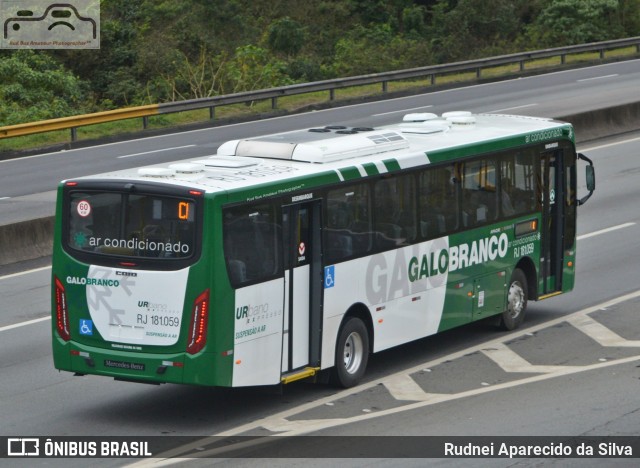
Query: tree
x=629 y=17
x=469 y=29
x=286 y=36
x=568 y=22
x=413 y=20
x=191 y=79
x=34 y=86
x=378 y=49
x=251 y=68
x=113 y=71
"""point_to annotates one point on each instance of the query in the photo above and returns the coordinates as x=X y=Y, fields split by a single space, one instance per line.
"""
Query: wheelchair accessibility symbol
x=86 y=327
x=329 y=277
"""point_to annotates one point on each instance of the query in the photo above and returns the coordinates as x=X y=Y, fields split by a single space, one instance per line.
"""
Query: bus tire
x=517 y=297
x=352 y=353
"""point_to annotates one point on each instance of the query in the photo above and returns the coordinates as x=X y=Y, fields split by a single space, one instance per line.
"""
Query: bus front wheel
x=352 y=353
x=517 y=297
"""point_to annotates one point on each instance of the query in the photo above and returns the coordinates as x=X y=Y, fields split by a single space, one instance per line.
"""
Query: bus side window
x=251 y=239
x=339 y=240
x=359 y=203
x=348 y=227
x=517 y=188
x=395 y=219
x=479 y=195
x=438 y=202
x=524 y=182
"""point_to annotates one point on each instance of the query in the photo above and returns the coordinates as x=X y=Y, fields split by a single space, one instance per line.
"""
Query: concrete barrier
x=27 y=240
x=601 y=123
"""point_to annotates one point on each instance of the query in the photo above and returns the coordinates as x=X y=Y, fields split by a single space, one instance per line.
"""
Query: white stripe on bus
x=31 y=322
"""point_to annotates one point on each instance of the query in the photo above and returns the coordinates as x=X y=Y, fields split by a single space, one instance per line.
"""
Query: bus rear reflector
x=198 y=328
x=62 y=314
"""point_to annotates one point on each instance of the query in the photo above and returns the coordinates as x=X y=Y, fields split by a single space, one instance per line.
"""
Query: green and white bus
x=285 y=256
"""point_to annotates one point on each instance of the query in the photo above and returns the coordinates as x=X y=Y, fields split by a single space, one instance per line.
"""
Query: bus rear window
x=131 y=225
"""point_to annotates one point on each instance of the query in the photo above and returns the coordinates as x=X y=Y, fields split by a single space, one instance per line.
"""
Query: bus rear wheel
x=352 y=353
x=517 y=297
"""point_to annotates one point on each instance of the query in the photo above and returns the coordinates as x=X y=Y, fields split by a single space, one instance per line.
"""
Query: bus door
x=302 y=285
x=551 y=194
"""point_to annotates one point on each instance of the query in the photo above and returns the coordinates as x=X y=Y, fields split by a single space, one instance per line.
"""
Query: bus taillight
x=198 y=327
x=62 y=314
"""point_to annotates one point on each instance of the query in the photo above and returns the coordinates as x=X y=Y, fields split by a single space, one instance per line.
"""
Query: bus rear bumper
x=122 y=365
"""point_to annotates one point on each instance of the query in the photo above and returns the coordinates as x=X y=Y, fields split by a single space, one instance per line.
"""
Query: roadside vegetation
x=155 y=51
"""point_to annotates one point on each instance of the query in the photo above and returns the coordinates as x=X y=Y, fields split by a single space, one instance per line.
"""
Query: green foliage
x=249 y=68
x=377 y=49
x=252 y=68
x=112 y=71
x=413 y=20
x=286 y=36
x=34 y=86
x=305 y=70
x=165 y=50
x=566 y=22
x=472 y=28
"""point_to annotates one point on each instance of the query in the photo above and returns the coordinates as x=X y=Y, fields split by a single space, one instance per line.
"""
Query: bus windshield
x=130 y=225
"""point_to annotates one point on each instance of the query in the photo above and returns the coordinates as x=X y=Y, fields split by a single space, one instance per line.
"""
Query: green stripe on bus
x=371 y=169
x=391 y=164
x=350 y=173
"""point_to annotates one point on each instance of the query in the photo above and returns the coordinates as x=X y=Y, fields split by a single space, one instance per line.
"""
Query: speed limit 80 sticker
x=84 y=208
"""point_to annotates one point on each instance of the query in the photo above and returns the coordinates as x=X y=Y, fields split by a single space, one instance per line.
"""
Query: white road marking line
x=621 y=142
x=403 y=387
x=24 y=324
x=403 y=111
x=22 y=273
x=597 y=78
x=510 y=361
x=28 y=322
x=510 y=108
x=284 y=425
x=153 y=151
x=4 y=198
x=604 y=231
x=601 y=334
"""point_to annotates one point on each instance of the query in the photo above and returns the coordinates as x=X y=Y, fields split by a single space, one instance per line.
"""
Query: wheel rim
x=516 y=299
x=352 y=353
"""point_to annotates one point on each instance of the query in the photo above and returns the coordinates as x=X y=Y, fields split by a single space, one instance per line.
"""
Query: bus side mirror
x=590 y=174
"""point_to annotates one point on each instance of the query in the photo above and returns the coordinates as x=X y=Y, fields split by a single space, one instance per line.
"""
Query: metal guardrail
x=76 y=121
x=273 y=94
